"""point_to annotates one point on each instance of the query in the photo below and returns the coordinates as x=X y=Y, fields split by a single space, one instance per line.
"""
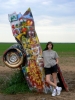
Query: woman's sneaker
x=54 y=93
x=58 y=90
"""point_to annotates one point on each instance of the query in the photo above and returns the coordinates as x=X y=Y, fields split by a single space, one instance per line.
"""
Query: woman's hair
x=46 y=48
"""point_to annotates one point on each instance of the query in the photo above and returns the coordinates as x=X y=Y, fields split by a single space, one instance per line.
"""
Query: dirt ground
x=67 y=65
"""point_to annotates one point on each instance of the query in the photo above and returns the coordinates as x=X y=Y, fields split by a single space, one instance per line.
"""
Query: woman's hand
x=57 y=61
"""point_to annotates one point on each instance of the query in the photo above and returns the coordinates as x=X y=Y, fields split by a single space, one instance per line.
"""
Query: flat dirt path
x=67 y=65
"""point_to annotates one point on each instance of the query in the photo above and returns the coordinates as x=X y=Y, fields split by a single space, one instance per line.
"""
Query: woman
x=50 y=58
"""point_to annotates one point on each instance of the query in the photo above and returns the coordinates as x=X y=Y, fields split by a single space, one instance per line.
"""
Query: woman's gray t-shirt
x=49 y=57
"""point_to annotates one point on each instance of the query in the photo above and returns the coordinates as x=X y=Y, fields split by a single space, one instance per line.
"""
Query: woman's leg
x=51 y=83
x=54 y=76
x=48 y=77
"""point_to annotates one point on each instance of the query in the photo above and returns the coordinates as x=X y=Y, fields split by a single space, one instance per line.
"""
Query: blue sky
x=54 y=19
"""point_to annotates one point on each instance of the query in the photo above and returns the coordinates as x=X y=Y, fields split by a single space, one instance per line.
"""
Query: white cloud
x=8 y=4
x=43 y=22
x=6 y=34
x=47 y=2
x=54 y=19
x=4 y=18
x=12 y=2
x=55 y=34
x=31 y=0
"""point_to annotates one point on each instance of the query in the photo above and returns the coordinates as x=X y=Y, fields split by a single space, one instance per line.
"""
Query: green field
x=62 y=47
x=68 y=48
x=4 y=47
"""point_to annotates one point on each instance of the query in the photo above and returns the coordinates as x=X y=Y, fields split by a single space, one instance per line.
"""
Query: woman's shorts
x=51 y=70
